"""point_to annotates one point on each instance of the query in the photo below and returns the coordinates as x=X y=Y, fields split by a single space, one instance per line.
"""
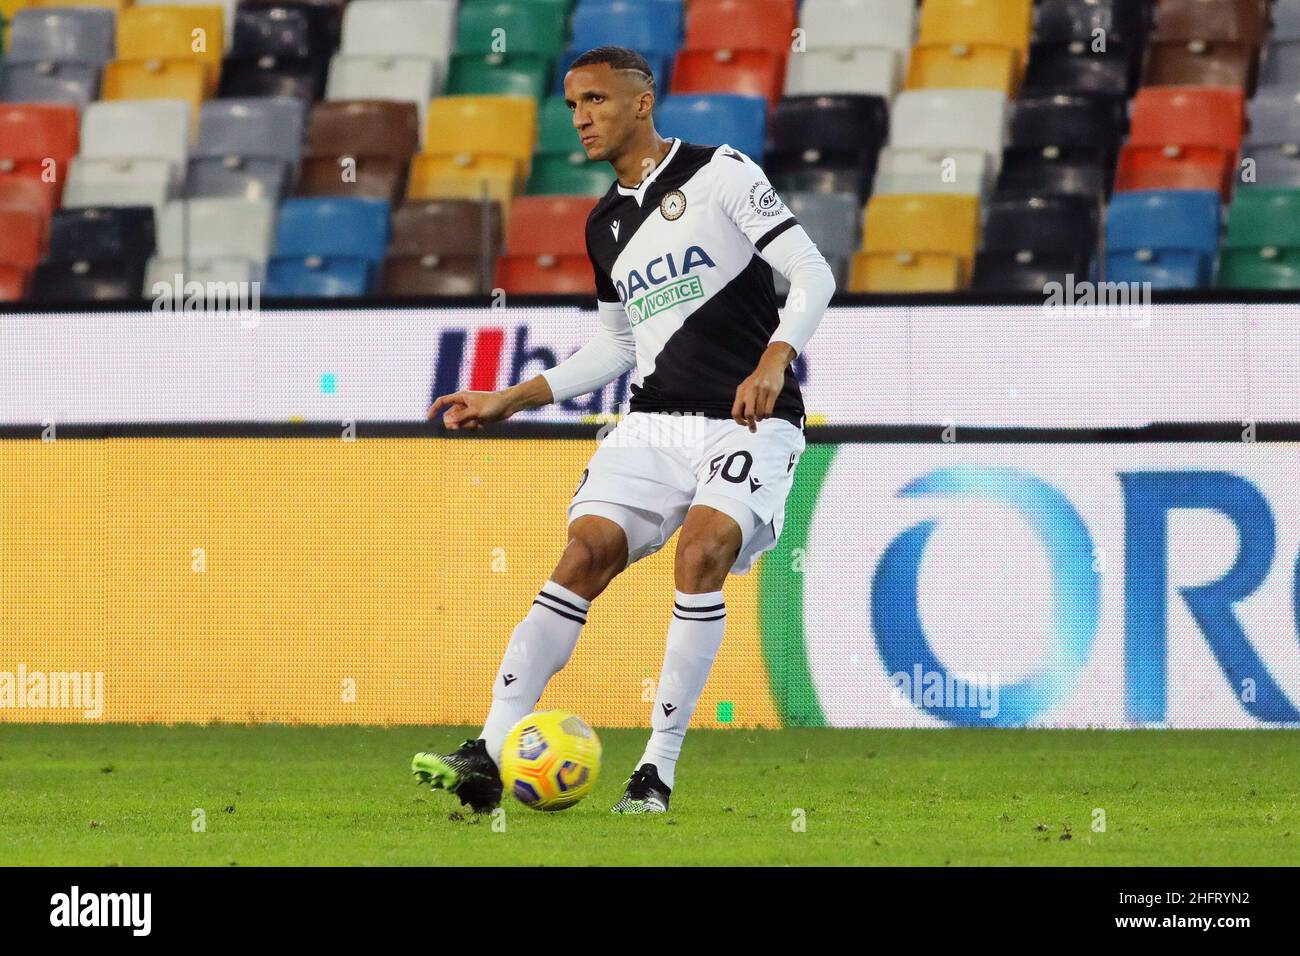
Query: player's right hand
x=470 y=410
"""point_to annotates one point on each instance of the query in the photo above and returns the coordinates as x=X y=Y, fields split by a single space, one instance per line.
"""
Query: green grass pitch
x=99 y=795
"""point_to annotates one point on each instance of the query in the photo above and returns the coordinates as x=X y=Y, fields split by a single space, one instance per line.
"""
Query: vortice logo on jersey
x=764 y=200
x=651 y=278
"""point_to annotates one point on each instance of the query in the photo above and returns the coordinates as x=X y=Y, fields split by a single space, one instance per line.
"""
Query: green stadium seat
x=515 y=74
x=528 y=27
x=556 y=174
x=555 y=132
x=1259 y=269
x=1261 y=216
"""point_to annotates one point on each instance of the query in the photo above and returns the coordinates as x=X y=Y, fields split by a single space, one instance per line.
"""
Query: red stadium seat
x=23 y=192
x=31 y=134
x=741 y=25
x=748 y=72
x=13 y=283
x=549 y=225
x=560 y=275
x=1183 y=137
x=23 y=234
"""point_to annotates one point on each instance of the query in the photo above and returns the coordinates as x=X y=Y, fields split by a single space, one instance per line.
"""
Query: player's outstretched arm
x=471 y=410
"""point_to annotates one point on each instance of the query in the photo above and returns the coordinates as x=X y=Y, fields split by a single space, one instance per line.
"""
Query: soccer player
x=683 y=246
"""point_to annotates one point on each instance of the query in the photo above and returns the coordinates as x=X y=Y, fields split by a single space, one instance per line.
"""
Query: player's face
x=604 y=105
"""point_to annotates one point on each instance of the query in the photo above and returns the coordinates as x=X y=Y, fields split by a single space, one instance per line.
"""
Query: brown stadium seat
x=1181 y=21
x=446 y=227
x=369 y=177
x=364 y=128
x=561 y=275
x=549 y=225
x=434 y=274
x=1202 y=63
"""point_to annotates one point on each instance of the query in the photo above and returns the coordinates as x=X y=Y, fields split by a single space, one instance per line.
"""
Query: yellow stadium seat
x=9 y=7
x=104 y=4
x=906 y=272
x=923 y=223
x=979 y=22
x=155 y=80
x=960 y=66
x=492 y=178
x=483 y=126
x=174 y=33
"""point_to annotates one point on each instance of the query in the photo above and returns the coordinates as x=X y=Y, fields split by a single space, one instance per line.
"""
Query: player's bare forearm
x=472 y=410
x=533 y=393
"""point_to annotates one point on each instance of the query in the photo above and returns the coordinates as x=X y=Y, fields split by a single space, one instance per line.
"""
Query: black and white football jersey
x=679 y=257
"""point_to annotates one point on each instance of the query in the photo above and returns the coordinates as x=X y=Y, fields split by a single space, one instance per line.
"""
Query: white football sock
x=694 y=636
x=540 y=645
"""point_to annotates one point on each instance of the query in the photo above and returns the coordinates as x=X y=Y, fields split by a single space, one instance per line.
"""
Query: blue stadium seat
x=713 y=118
x=330 y=226
x=647 y=26
x=330 y=277
x=1166 y=237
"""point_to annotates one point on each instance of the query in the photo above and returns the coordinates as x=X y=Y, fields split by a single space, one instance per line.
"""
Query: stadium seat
x=555 y=130
x=217 y=228
x=647 y=26
x=905 y=272
x=74 y=83
x=263 y=127
x=556 y=174
x=1061 y=120
x=23 y=192
x=740 y=25
x=896 y=227
x=87 y=280
x=228 y=8
x=112 y=181
x=1121 y=22
x=1007 y=23
x=860 y=24
x=1188 y=21
x=1259 y=269
x=377 y=137
x=950 y=119
x=23 y=237
x=549 y=225
x=1182 y=138
x=1201 y=63
x=286 y=29
x=481 y=127
x=1260 y=217
x=1166 y=237
x=1043 y=225
x=744 y=72
x=980 y=67
x=13 y=283
x=901 y=171
x=101 y=232
x=1025 y=271
x=365 y=177
x=71 y=35
x=529 y=27
x=498 y=74
x=715 y=118
x=187 y=33
x=353 y=228
x=1075 y=68
x=485 y=181
x=436 y=273
x=868 y=70
x=1281 y=66
x=832 y=221
x=220 y=271
x=405 y=79
x=318 y=277
x=840 y=135
x=1273 y=143
x=403 y=27
x=117 y=5
x=31 y=135
x=545 y=274
x=154 y=80
x=1286 y=21
x=138 y=129
x=448 y=227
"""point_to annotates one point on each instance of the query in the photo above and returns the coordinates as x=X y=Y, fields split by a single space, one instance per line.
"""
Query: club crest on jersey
x=673 y=205
x=764 y=200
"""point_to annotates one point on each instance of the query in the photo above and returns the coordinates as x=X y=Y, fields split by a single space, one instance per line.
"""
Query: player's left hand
x=756 y=396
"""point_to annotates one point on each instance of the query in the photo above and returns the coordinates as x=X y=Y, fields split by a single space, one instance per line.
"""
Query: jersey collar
x=639 y=192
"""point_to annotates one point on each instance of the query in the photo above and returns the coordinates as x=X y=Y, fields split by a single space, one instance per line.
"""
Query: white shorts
x=653 y=466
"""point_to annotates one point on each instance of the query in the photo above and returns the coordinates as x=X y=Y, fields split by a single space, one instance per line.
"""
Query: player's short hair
x=619 y=58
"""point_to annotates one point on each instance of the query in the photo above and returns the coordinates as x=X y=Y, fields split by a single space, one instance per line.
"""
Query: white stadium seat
x=834 y=24
x=399 y=28
x=411 y=79
x=872 y=70
x=119 y=182
x=222 y=269
x=951 y=119
x=243 y=228
x=967 y=172
x=138 y=129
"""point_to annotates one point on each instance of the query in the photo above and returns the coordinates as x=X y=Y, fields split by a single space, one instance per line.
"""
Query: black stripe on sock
x=711 y=607
x=571 y=617
x=560 y=600
x=716 y=618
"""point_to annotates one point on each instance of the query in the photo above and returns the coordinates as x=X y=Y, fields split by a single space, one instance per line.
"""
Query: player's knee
x=703 y=561
x=593 y=555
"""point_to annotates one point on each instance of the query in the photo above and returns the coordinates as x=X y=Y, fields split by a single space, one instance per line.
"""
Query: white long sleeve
x=609 y=353
x=812 y=284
